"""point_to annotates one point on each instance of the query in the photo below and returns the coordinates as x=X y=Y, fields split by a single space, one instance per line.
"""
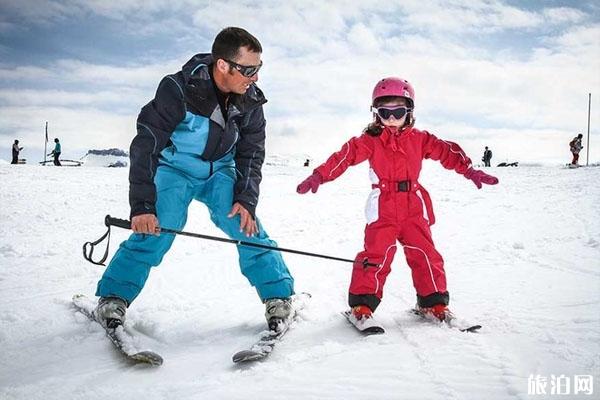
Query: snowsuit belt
x=395 y=186
x=408 y=186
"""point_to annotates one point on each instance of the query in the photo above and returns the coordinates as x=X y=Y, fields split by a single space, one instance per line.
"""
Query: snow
x=105 y=158
x=522 y=258
x=93 y=160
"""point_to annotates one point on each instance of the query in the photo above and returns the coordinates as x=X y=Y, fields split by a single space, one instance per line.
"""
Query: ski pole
x=126 y=224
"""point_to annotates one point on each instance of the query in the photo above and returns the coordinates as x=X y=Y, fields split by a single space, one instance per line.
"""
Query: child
x=398 y=208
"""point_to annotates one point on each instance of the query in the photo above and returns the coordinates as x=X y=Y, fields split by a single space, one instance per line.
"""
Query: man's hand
x=145 y=223
x=247 y=223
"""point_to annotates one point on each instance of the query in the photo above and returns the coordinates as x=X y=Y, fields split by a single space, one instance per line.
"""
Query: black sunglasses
x=397 y=112
x=246 y=70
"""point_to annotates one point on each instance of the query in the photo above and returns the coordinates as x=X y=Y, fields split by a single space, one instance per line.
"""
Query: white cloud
x=84 y=73
x=461 y=16
x=43 y=12
x=80 y=128
x=361 y=39
x=24 y=73
x=580 y=40
x=51 y=98
x=560 y=15
x=322 y=59
x=133 y=76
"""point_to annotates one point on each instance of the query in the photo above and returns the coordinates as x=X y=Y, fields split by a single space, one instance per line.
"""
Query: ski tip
x=471 y=329
x=373 y=330
x=147 y=357
x=246 y=356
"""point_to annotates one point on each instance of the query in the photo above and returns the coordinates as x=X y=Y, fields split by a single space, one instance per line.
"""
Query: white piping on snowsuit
x=461 y=153
x=381 y=267
x=428 y=264
x=342 y=160
x=423 y=205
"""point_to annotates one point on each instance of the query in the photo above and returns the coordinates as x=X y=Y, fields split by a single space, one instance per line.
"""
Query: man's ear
x=222 y=66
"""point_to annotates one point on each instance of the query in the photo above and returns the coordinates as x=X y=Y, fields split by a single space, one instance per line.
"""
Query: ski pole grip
x=120 y=223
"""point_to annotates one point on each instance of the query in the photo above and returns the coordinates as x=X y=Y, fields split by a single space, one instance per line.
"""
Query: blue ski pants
x=129 y=268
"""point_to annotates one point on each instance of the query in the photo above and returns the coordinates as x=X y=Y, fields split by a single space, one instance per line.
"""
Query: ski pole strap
x=88 y=248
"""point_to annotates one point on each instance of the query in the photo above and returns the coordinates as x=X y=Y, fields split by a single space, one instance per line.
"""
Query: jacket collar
x=200 y=91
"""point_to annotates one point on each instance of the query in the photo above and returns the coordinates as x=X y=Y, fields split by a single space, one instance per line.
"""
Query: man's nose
x=254 y=77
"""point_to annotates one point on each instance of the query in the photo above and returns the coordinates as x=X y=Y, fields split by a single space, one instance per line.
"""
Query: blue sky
x=512 y=75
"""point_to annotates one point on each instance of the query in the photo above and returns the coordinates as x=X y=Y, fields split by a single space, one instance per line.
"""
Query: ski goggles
x=386 y=113
x=246 y=70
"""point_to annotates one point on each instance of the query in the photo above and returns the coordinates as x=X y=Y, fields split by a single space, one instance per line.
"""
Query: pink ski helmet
x=393 y=86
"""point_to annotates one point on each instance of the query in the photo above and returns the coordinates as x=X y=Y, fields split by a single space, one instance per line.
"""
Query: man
x=576 y=147
x=56 y=152
x=487 y=157
x=15 y=152
x=201 y=138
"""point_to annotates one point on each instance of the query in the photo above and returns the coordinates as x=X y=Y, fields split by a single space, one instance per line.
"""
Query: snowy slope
x=523 y=259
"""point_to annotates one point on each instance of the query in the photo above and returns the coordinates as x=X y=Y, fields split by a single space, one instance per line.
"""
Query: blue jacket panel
x=187 y=141
x=183 y=126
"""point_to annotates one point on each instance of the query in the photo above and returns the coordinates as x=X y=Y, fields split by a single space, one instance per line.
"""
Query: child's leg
x=366 y=286
x=427 y=265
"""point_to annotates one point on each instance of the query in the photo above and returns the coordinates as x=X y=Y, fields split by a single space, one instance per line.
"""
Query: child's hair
x=376 y=127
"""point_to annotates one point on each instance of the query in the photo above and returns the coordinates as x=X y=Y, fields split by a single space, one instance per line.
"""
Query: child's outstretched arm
x=353 y=152
x=479 y=177
x=452 y=156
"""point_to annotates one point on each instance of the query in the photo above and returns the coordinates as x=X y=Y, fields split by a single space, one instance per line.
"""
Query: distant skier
x=56 y=152
x=398 y=208
x=487 y=157
x=15 y=152
x=576 y=147
x=307 y=162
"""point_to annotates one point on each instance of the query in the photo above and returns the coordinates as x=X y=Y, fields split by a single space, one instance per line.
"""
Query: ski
x=370 y=328
x=451 y=322
x=268 y=339
x=119 y=337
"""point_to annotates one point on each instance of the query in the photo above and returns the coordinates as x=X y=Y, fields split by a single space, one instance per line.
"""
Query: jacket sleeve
x=249 y=158
x=353 y=152
x=155 y=124
x=449 y=154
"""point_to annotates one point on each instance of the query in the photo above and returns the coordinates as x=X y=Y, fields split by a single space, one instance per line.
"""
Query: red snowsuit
x=398 y=208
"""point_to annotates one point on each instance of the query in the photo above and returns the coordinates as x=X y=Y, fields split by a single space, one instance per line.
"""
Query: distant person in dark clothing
x=15 y=152
x=56 y=152
x=487 y=157
x=307 y=162
x=576 y=147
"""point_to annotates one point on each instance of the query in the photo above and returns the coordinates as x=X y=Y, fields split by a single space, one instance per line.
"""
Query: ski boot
x=278 y=313
x=439 y=312
x=110 y=312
